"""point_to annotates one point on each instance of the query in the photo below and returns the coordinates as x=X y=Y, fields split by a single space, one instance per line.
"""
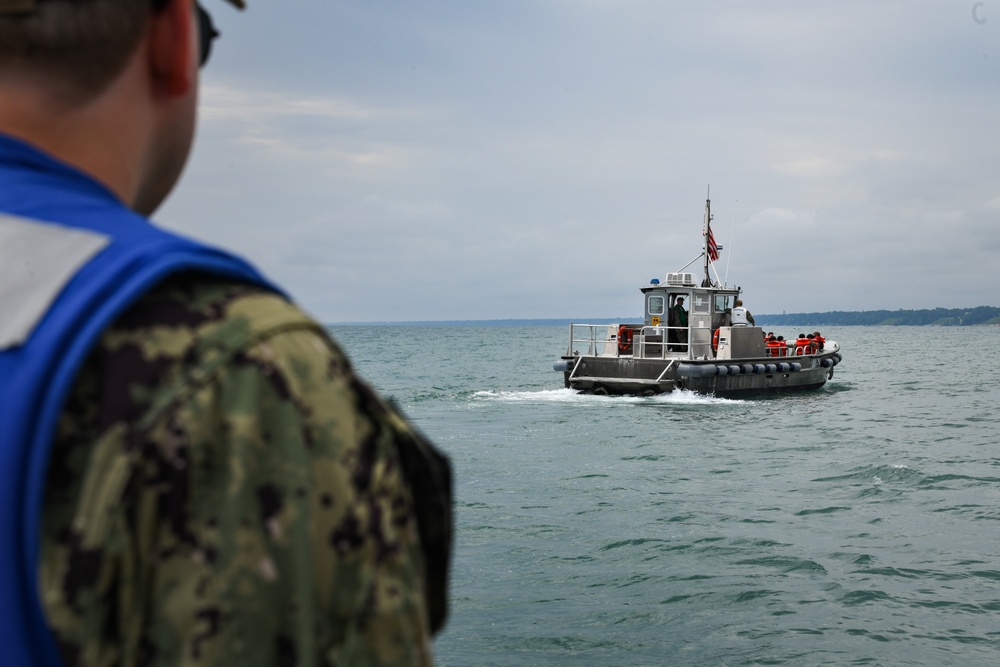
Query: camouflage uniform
x=225 y=491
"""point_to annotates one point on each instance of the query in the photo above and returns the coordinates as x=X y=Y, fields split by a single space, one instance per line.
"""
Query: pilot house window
x=656 y=305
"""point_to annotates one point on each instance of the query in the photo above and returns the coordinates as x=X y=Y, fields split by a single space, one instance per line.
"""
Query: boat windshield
x=724 y=302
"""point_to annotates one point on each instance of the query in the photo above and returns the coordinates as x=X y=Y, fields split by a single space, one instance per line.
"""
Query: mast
x=707 y=282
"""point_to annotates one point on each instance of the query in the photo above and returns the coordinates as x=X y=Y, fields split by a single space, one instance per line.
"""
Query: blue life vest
x=109 y=257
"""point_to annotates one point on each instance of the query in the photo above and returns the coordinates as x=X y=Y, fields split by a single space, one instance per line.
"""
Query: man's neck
x=102 y=137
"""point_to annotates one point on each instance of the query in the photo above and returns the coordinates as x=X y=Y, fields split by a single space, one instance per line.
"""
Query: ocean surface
x=854 y=525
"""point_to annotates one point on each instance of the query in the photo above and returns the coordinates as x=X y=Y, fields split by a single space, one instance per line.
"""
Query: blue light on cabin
x=654 y=281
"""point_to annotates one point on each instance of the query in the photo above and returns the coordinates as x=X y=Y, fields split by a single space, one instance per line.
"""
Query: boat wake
x=573 y=396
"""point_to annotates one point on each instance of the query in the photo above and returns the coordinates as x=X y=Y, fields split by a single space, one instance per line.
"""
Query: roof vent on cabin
x=680 y=279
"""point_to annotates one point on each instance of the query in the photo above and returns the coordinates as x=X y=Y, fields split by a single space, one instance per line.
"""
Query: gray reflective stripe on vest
x=37 y=259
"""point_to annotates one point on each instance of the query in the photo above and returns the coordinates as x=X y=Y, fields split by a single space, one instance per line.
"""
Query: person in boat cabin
x=190 y=470
x=741 y=317
x=678 y=317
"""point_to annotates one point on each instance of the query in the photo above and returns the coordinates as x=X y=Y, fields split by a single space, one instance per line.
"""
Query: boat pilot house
x=688 y=340
x=682 y=315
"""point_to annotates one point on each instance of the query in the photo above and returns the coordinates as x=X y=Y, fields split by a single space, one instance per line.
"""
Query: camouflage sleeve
x=255 y=511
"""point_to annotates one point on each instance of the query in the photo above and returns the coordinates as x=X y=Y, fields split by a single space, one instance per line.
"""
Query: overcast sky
x=500 y=159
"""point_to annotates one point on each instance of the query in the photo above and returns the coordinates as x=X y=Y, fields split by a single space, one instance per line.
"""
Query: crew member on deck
x=741 y=316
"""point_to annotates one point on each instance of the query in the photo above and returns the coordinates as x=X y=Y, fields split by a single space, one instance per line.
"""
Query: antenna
x=732 y=235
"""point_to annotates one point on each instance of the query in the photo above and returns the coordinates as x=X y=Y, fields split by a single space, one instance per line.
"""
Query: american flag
x=713 y=247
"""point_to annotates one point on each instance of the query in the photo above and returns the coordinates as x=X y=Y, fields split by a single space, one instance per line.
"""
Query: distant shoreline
x=945 y=317
x=490 y=323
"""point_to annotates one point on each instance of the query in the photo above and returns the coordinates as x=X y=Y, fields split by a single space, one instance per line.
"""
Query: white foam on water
x=682 y=397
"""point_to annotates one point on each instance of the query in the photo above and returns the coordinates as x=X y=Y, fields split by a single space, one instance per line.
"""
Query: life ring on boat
x=715 y=340
x=624 y=338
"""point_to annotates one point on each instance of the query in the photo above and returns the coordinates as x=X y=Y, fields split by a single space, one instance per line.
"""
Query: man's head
x=738 y=303
x=79 y=46
x=121 y=71
x=680 y=301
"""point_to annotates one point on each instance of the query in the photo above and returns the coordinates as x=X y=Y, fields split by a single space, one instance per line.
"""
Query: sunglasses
x=206 y=35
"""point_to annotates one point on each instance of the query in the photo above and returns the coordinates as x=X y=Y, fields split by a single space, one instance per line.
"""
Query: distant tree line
x=945 y=317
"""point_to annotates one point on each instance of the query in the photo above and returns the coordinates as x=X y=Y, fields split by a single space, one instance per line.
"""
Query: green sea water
x=853 y=525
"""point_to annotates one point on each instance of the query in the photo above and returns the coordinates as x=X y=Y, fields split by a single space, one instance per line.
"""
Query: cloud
x=220 y=103
x=780 y=218
x=545 y=159
x=808 y=167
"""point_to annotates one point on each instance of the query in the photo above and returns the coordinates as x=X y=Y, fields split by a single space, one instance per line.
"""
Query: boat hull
x=730 y=377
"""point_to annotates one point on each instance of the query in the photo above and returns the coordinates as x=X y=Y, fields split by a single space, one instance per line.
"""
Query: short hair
x=81 y=45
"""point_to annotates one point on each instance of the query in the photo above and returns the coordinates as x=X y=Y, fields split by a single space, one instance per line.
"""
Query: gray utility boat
x=700 y=348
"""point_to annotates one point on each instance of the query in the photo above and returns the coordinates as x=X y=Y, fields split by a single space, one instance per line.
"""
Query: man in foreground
x=192 y=472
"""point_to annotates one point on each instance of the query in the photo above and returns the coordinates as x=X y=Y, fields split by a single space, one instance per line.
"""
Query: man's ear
x=173 y=48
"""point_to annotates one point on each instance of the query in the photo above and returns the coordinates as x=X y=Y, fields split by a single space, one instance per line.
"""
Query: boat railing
x=601 y=340
x=780 y=350
x=790 y=348
x=647 y=342
x=656 y=342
